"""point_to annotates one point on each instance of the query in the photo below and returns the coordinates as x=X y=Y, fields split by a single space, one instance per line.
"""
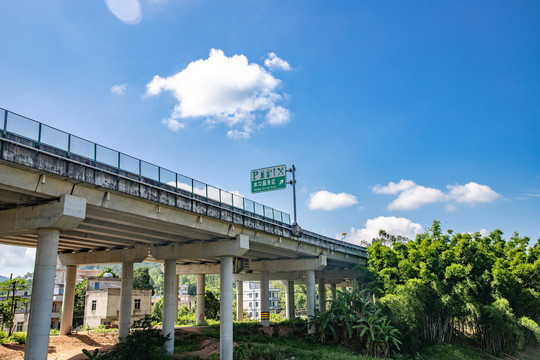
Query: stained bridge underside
x=76 y=211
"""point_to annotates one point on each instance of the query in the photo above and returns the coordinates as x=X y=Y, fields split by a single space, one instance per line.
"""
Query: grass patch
x=16 y=337
x=188 y=343
x=455 y=352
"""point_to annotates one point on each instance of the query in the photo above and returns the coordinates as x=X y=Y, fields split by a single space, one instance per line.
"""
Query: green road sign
x=270 y=178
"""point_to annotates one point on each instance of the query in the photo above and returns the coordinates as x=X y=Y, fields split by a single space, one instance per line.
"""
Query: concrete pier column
x=176 y=305
x=126 y=291
x=322 y=295
x=265 y=299
x=226 y=309
x=39 y=323
x=168 y=304
x=333 y=291
x=239 y=300
x=289 y=300
x=68 y=300
x=200 y=298
x=311 y=298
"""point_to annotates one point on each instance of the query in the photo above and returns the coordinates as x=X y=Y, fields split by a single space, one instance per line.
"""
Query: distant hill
x=3 y=278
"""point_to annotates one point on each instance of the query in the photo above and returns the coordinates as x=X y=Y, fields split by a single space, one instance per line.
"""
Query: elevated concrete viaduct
x=83 y=207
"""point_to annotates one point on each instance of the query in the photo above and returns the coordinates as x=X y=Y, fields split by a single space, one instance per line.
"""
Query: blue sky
x=394 y=113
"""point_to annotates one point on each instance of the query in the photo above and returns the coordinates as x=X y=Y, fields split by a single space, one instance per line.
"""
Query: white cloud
x=391 y=224
x=223 y=90
x=393 y=188
x=472 y=193
x=127 y=11
x=16 y=260
x=325 y=200
x=412 y=196
x=415 y=197
x=278 y=115
x=119 y=89
x=275 y=63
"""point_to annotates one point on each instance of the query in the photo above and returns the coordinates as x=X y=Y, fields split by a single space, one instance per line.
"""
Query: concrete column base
x=39 y=322
x=168 y=304
x=226 y=309
x=200 y=299
x=239 y=300
x=311 y=298
x=68 y=301
x=126 y=291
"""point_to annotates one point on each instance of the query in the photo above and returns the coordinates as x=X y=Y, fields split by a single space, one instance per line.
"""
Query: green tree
x=13 y=301
x=142 y=280
x=80 y=301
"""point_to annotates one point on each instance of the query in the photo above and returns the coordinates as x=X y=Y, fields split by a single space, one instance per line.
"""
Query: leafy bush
x=354 y=320
x=143 y=343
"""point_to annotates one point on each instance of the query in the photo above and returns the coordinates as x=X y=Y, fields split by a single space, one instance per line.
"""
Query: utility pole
x=295 y=228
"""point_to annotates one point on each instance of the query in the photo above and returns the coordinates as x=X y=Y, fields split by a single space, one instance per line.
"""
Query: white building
x=103 y=302
x=252 y=299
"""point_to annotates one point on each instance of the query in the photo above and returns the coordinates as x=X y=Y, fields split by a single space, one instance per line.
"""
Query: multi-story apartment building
x=252 y=299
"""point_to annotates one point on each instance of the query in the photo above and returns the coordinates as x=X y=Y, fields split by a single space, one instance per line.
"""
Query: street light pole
x=295 y=228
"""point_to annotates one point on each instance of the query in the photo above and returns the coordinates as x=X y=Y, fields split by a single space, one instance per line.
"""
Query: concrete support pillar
x=239 y=300
x=289 y=300
x=176 y=298
x=333 y=291
x=265 y=299
x=200 y=298
x=69 y=299
x=311 y=298
x=168 y=304
x=39 y=323
x=126 y=291
x=322 y=295
x=226 y=309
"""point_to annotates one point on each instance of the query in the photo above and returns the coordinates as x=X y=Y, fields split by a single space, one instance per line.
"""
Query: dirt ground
x=64 y=347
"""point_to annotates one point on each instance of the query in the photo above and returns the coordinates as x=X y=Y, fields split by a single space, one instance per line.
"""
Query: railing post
x=176 y=182
x=95 y=154
x=69 y=145
x=159 y=176
x=118 y=171
x=5 y=121
x=39 y=136
x=140 y=165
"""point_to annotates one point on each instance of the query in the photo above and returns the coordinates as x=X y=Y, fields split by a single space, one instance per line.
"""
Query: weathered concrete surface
x=133 y=255
x=289 y=265
x=64 y=214
x=236 y=247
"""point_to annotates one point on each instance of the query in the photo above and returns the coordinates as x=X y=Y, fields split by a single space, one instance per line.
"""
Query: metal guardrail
x=77 y=147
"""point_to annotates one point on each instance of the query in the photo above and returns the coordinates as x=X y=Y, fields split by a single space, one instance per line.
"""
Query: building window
x=250 y=295
x=19 y=327
x=250 y=304
x=94 y=305
x=256 y=304
x=137 y=304
x=96 y=285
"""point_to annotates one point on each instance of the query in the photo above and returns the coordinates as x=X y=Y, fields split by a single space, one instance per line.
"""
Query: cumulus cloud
x=391 y=224
x=415 y=197
x=325 y=200
x=223 y=90
x=16 y=260
x=412 y=196
x=274 y=63
x=472 y=193
x=119 y=89
x=393 y=188
x=127 y=11
x=278 y=115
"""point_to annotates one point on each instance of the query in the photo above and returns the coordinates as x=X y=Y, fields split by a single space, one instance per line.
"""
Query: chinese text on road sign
x=270 y=178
